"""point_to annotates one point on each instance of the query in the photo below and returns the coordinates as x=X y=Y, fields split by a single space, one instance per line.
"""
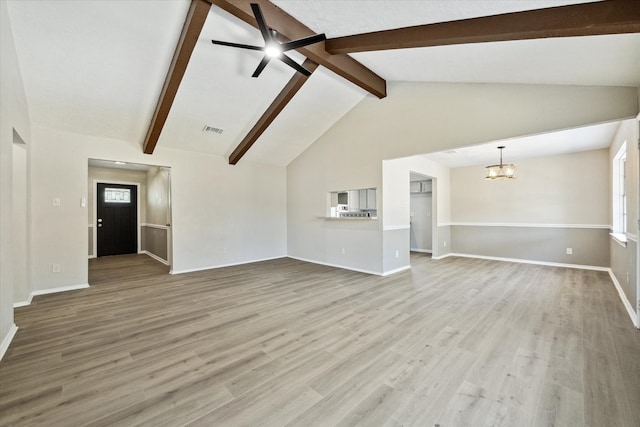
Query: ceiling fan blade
x=295 y=44
x=293 y=64
x=261 y=65
x=584 y=19
x=262 y=24
x=241 y=46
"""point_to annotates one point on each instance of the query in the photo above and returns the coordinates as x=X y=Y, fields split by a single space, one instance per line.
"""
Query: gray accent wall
x=622 y=258
x=155 y=241
x=396 y=255
x=444 y=240
x=590 y=246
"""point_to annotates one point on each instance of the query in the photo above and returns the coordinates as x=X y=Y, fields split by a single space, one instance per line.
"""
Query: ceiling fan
x=273 y=48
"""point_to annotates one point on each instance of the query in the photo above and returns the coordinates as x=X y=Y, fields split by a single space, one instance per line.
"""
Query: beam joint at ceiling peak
x=289 y=27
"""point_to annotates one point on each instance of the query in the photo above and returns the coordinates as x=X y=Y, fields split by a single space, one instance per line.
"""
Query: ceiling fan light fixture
x=273 y=50
x=502 y=170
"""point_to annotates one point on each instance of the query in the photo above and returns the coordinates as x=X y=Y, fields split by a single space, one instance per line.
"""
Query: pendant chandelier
x=501 y=171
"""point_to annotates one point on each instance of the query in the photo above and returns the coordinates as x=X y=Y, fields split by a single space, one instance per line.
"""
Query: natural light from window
x=117 y=195
x=619 y=195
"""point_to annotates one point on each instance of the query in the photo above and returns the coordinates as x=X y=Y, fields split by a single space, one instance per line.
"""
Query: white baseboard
x=625 y=300
x=23 y=303
x=359 y=270
x=213 y=267
x=397 y=270
x=4 y=346
x=527 y=261
x=60 y=289
x=50 y=291
x=156 y=257
x=92 y=256
x=424 y=251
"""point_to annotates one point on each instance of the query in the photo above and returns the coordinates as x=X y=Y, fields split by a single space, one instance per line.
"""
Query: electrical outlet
x=569 y=251
x=56 y=202
x=55 y=268
x=397 y=253
x=445 y=243
x=342 y=251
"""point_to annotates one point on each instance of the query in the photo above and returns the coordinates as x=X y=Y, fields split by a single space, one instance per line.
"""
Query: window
x=620 y=195
x=117 y=195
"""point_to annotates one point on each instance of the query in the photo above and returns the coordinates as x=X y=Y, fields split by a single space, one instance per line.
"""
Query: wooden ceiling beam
x=586 y=19
x=197 y=15
x=281 y=101
x=291 y=28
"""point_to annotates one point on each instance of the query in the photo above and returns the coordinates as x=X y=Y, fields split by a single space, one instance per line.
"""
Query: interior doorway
x=129 y=210
x=117 y=219
x=421 y=220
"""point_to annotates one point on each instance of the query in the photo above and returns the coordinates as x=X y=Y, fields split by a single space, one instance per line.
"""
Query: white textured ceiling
x=338 y=18
x=595 y=61
x=110 y=164
x=548 y=144
x=612 y=60
x=218 y=91
x=97 y=67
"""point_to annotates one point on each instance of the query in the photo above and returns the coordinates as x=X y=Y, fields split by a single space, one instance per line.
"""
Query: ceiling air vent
x=208 y=128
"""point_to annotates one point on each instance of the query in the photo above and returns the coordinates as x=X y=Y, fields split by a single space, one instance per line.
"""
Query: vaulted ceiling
x=98 y=67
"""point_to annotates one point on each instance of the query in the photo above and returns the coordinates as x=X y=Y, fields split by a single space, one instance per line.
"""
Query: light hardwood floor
x=455 y=342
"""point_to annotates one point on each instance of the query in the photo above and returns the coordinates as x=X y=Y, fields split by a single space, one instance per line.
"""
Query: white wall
x=19 y=227
x=418 y=118
x=564 y=189
x=157 y=203
x=222 y=214
x=14 y=114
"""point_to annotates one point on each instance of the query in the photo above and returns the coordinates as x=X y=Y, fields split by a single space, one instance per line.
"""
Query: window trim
x=618 y=200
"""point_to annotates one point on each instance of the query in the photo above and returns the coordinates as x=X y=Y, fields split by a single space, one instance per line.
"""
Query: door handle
x=99 y=225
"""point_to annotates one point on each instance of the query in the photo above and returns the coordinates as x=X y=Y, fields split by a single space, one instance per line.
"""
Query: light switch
x=83 y=202
x=55 y=202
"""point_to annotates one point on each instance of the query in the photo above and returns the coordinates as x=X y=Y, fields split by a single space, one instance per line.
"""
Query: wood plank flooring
x=453 y=342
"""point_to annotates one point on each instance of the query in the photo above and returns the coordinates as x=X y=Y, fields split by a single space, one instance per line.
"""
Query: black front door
x=117 y=220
